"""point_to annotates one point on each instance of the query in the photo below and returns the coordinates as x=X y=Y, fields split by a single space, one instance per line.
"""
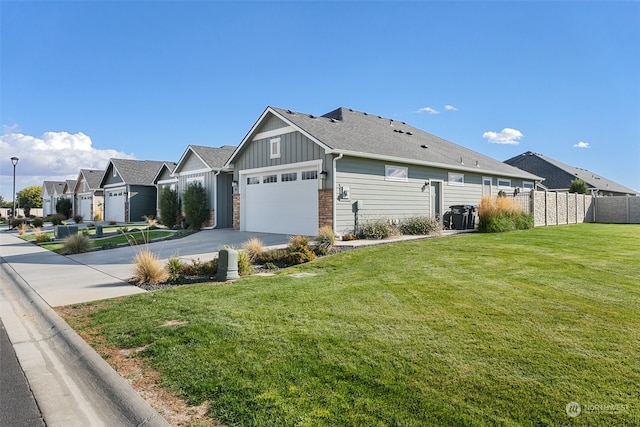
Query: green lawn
x=142 y=236
x=477 y=329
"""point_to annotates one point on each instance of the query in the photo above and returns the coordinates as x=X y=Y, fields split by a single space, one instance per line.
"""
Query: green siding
x=207 y=184
x=110 y=179
x=272 y=123
x=192 y=163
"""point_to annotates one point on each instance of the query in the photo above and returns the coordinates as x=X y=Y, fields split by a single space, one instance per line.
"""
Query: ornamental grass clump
x=420 y=226
x=299 y=251
x=40 y=236
x=378 y=230
x=76 y=244
x=148 y=269
x=499 y=214
x=324 y=240
x=254 y=248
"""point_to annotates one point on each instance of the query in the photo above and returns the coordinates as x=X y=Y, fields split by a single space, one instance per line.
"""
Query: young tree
x=169 y=207
x=194 y=200
x=30 y=197
x=63 y=206
x=578 y=186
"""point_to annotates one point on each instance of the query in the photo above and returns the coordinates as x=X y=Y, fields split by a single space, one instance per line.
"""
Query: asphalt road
x=17 y=405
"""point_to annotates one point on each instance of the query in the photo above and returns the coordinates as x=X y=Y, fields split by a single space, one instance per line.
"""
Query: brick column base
x=236 y=212
x=325 y=208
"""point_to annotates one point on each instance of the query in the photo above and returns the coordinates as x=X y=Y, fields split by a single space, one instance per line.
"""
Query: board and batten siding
x=207 y=183
x=142 y=202
x=294 y=148
x=192 y=163
x=224 y=201
x=395 y=200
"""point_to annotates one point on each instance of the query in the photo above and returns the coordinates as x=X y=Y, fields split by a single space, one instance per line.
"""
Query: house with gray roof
x=295 y=172
x=165 y=179
x=558 y=176
x=88 y=195
x=51 y=192
x=69 y=192
x=129 y=189
x=205 y=166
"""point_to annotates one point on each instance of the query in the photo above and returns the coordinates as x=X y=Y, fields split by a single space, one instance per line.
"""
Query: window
x=504 y=183
x=196 y=180
x=267 y=179
x=527 y=185
x=456 y=178
x=275 y=148
x=253 y=180
x=396 y=173
x=309 y=175
x=114 y=173
x=286 y=177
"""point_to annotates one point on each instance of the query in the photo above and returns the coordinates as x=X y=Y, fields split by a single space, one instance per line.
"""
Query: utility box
x=64 y=231
x=227 y=265
x=99 y=232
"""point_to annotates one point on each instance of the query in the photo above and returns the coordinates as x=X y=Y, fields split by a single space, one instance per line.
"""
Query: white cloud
x=506 y=136
x=54 y=156
x=450 y=108
x=582 y=144
x=428 y=110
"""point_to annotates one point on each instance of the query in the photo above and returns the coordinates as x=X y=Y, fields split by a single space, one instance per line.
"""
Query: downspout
x=334 y=198
x=215 y=201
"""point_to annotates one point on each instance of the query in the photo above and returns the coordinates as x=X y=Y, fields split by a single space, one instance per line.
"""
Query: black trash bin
x=459 y=217
x=471 y=217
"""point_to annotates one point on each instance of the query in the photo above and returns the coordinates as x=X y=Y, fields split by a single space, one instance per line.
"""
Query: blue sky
x=85 y=81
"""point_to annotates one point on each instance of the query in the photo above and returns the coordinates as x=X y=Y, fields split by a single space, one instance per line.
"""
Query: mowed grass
x=476 y=329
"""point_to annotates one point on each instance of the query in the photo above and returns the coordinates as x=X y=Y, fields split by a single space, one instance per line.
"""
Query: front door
x=486 y=186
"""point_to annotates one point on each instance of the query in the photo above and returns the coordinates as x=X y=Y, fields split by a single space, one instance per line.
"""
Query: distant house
x=89 y=196
x=558 y=176
x=129 y=190
x=296 y=172
x=69 y=192
x=205 y=165
x=165 y=179
x=51 y=192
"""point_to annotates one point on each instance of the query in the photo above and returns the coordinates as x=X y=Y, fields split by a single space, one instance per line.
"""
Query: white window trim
x=388 y=168
x=194 y=179
x=524 y=187
x=453 y=174
x=275 y=142
x=504 y=180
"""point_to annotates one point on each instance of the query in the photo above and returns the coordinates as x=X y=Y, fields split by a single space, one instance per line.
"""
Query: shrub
x=78 y=219
x=64 y=207
x=107 y=246
x=37 y=222
x=195 y=205
x=578 y=186
x=254 y=249
x=378 y=230
x=244 y=263
x=40 y=236
x=57 y=219
x=277 y=256
x=22 y=228
x=169 y=205
x=148 y=269
x=199 y=268
x=502 y=214
x=298 y=250
x=325 y=239
x=420 y=225
x=151 y=222
x=76 y=244
x=349 y=237
x=175 y=267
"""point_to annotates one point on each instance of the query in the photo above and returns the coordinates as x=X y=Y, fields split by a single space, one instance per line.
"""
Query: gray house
x=89 y=197
x=295 y=172
x=165 y=179
x=51 y=192
x=129 y=189
x=205 y=165
x=558 y=176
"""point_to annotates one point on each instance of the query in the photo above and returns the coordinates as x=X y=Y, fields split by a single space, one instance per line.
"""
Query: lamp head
x=14 y=160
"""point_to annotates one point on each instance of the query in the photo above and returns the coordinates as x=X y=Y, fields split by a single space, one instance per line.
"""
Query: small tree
x=169 y=207
x=195 y=205
x=30 y=197
x=63 y=207
x=578 y=186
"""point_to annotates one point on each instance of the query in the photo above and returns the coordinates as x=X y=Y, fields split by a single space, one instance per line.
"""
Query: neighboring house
x=164 y=178
x=295 y=172
x=206 y=166
x=69 y=192
x=129 y=191
x=52 y=191
x=89 y=197
x=558 y=176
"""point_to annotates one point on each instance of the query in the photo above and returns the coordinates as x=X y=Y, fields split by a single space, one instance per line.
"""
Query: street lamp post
x=14 y=160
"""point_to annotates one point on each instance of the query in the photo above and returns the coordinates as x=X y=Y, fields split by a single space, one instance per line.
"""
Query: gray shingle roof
x=137 y=172
x=558 y=175
x=71 y=185
x=214 y=157
x=93 y=177
x=52 y=187
x=356 y=133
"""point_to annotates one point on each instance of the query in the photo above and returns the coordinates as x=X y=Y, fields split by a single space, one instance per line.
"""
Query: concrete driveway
x=203 y=245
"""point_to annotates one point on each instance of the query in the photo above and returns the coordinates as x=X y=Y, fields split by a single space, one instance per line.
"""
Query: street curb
x=107 y=394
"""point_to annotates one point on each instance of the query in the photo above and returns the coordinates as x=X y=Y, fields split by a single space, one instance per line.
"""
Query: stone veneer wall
x=618 y=209
x=325 y=208
x=552 y=208
x=236 y=212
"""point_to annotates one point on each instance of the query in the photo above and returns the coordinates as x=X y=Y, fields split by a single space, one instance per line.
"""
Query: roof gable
x=134 y=172
x=203 y=157
x=165 y=172
x=92 y=177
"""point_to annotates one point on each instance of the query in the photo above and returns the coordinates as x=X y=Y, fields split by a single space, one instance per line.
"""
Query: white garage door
x=114 y=201
x=84 y=207
x=283 y=201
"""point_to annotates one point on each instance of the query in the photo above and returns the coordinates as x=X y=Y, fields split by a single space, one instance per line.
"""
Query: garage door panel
x=289 y=207
x=114 y=205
